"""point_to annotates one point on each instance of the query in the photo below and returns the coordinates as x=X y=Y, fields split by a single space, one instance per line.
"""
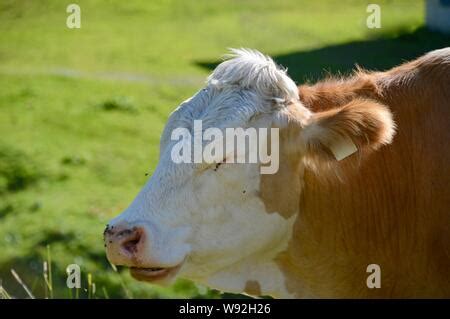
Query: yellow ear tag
x=342 y=147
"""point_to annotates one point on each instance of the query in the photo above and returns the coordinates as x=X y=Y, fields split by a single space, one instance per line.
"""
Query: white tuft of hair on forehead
x=245 y=85
x=250 y=69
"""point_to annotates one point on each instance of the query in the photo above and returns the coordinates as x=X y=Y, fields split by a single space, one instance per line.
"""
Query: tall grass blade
x=105 y=293
x=50 y=279
x=3 y=293
x=19 y=280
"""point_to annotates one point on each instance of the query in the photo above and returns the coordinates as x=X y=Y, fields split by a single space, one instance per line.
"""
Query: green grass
x=81 y=111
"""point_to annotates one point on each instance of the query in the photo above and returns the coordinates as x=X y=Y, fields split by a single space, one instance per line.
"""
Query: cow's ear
x=357 y=127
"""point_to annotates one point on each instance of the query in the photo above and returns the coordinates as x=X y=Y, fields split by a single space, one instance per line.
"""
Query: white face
x=208 y=220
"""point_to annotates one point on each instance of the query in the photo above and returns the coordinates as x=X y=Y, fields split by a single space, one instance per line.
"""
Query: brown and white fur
x=311 y=229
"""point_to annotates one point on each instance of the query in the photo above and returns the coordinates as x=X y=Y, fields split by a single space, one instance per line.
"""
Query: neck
x=252 y=277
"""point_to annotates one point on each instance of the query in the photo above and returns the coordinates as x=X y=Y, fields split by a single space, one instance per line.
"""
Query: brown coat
x=393 y=209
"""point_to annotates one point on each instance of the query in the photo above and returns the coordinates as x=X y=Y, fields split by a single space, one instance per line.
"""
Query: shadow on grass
x=30 y=268
x=18 y=170
x=383 y=52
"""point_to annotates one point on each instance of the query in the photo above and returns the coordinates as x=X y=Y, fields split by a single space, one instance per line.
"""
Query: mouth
x=153 y=274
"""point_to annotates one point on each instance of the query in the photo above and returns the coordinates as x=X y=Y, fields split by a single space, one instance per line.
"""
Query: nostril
x=130 y=245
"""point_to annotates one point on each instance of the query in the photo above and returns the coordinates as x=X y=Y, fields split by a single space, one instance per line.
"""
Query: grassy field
x=82 y=110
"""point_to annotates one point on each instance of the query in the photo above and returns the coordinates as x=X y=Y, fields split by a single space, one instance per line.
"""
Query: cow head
x=222 y=223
